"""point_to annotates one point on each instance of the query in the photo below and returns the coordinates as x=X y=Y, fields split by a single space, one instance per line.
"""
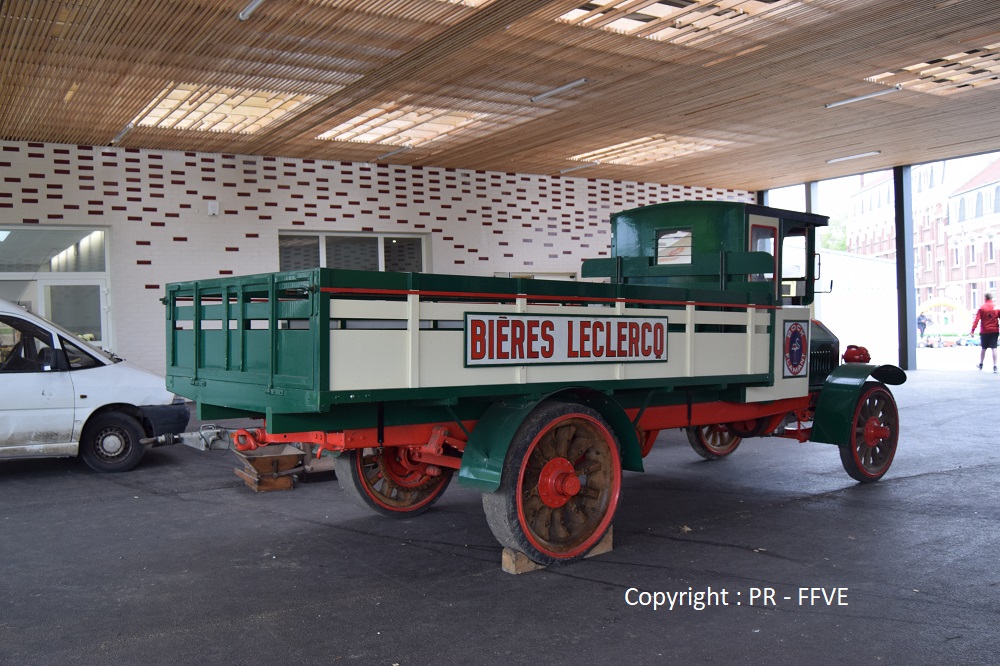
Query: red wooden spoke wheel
x=560 y=485
x=874 y=434
x=389 y=482
x=713 y=442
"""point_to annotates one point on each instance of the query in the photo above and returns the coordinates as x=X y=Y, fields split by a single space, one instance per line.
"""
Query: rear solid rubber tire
x=712 y=442
x=360 y=476
x=559 y=490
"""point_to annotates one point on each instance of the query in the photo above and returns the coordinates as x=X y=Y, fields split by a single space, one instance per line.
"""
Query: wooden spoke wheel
x=713 y=442
x=560 y=484
x=874 y=434
x=389 y=482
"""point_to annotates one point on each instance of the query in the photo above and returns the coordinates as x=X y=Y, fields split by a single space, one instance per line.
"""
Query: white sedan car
x=60 y=396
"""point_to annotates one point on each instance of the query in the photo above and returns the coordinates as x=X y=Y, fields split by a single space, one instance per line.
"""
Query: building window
x=52 y=250
x=972 y=254
x=974 y=295
x=979 y=204
x=61 y=274
x=356 y=253
x=954 y=256
x=990 y=252
x=930 y=257
x=376 y=252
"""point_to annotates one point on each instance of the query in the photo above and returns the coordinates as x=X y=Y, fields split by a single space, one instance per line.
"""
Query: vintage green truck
x=539 y=393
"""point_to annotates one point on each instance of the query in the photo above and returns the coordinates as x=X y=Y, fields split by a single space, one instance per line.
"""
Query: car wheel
x=110 y=442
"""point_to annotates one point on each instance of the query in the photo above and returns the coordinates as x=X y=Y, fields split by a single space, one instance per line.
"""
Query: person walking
x=988 y=320
x=922 y=321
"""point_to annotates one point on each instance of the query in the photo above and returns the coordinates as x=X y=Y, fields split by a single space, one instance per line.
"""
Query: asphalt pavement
x=179 y=562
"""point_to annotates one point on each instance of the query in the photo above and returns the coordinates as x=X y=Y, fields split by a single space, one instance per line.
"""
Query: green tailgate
x=251 y=344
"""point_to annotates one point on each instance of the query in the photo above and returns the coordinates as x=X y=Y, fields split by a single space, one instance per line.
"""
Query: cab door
x=36 y=410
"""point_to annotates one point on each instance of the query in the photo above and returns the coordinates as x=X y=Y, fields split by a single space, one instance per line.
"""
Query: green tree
x=834 y=236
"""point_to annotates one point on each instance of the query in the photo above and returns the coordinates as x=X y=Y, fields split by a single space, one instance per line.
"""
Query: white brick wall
x=154 y=205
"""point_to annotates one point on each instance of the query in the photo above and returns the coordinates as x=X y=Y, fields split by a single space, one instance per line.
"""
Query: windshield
x=83 y=344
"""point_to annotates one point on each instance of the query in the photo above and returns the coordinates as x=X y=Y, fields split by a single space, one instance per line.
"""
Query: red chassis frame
x=427 y=441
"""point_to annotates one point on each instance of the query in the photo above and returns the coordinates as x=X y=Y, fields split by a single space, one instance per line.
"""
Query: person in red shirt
x=988 y=320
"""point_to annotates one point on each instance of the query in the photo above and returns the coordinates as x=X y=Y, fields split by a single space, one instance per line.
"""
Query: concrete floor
x=178 y=562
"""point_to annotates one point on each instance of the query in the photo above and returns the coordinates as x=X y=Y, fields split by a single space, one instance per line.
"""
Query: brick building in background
x=956 y=231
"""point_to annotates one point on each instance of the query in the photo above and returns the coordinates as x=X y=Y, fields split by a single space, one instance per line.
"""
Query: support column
x=812 y=195
x=906 y=301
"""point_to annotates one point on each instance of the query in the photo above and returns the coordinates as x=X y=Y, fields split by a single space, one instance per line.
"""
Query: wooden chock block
x=516 y=562
x=270 y=468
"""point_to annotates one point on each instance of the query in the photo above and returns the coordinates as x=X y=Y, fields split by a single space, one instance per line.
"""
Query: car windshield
x=84 y=344
x=89 y=348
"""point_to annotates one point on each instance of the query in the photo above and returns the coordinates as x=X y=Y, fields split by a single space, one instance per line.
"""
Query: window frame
x=769 y=233
x=40 y=339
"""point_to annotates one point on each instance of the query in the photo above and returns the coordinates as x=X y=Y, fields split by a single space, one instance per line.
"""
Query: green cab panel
x=486 y=450
x=839 y=397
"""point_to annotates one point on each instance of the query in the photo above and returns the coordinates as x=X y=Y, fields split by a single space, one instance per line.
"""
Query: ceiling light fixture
x=854 y=157
x=877 y=93
x=249 y=9
x=69 y=93
x=402 y=149
x=556 y=91
x=577 y=168
x=121 y=135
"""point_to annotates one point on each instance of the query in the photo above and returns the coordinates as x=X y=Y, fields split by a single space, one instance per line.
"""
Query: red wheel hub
x=400 y=468
x=875 y=432
x=558 y=482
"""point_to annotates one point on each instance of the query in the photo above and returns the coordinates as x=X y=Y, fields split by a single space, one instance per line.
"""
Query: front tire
x=874 y=435
x=560 y=484
x=111 y=442
x=388 y=482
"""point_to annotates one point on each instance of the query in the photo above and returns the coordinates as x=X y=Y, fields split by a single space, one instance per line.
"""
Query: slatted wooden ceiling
x=724 y=93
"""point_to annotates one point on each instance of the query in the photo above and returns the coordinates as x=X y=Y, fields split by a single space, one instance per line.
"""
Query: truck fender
x=839 y=397
x=483 y=458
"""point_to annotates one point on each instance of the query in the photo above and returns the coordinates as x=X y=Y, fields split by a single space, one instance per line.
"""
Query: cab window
x=795 y=282
x=762 y=239
x=673 y=246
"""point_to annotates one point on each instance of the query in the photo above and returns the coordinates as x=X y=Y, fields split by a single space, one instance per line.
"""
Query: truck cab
x=732 y=247
x=710 y=244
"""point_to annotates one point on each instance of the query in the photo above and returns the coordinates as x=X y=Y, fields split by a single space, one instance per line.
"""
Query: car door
x=36 y=392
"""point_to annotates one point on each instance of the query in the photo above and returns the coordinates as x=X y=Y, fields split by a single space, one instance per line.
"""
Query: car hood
x=121 y=383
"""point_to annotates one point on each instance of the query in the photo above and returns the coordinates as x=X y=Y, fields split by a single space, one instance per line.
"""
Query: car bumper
x=166 y=419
